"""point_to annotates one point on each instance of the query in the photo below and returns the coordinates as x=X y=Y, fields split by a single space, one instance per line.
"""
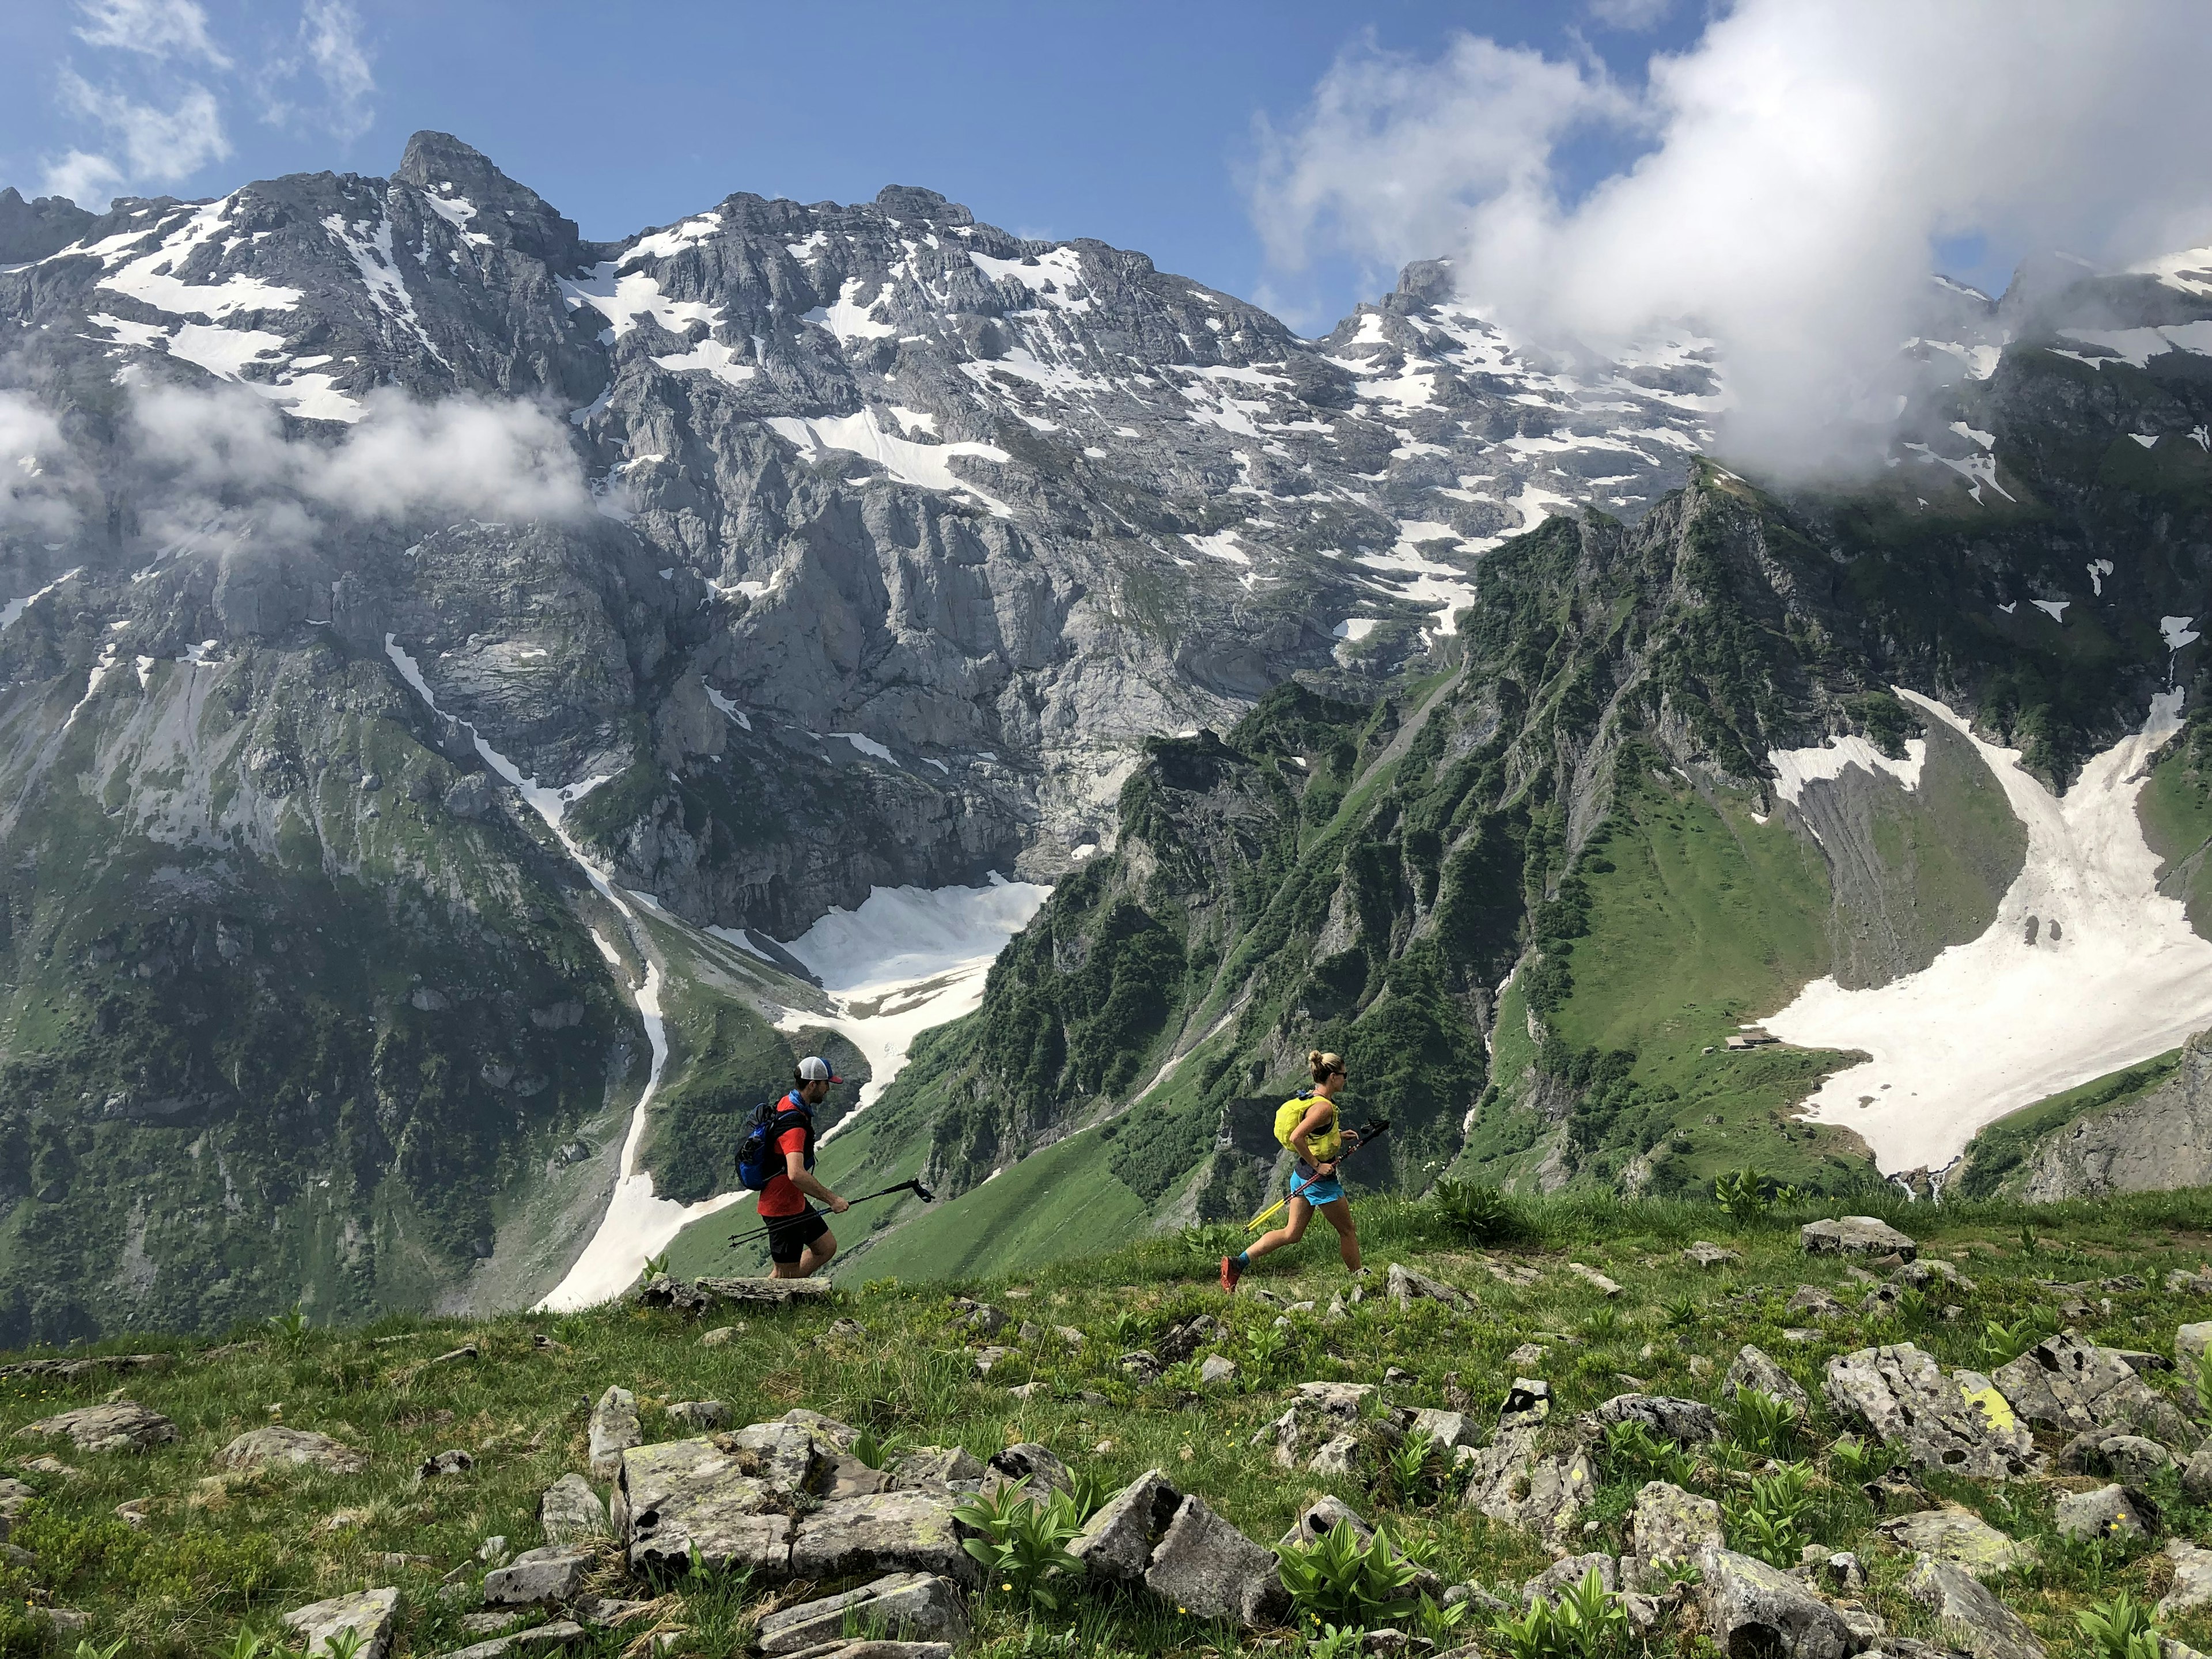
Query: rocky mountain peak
x=912 y=202
x=32 y=230
x=511 y=213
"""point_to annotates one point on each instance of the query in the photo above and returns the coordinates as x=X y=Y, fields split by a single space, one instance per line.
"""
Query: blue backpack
x=758 y=1160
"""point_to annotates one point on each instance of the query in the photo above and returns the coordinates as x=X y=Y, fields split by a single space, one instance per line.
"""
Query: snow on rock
x=1356 y=628
x=2054 y=609
x=923 y=466
x=728 y=707
x=13 y=611
x=868 y=746
x=908 y=959
x=2178 y=631
x=148 y=278
x=709 y=356
x=622 y=299
x=2098 y=569
x=2114 y=974
x=2136 y=346
x=849 y=319
x=1796 y=768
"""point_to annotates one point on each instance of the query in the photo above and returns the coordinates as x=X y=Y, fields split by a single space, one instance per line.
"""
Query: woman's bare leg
x=1293 y=1230
x=1347 y=1236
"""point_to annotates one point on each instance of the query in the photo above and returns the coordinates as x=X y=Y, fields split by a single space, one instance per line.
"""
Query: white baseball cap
x=815 y=1069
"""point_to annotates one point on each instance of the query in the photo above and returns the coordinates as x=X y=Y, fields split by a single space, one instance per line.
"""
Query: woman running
x=1320 y=1145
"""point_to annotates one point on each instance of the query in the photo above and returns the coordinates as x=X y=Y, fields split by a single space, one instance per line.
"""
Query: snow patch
x=924 y=466
x=1796 y=768
x=11 y=612
x=622 y=299
x=2054 y=609
x=1356 y=628
x=709 y=356
x=1996 y=1024
x=728 y=707
x=868 y=746
x=2178 y=631
x=908 y=959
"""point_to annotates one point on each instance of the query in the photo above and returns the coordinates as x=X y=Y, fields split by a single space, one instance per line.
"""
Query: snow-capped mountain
x=446 y=655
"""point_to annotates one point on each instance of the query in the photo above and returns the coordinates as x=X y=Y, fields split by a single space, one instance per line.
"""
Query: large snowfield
x=2113 y=975
x=908 y=959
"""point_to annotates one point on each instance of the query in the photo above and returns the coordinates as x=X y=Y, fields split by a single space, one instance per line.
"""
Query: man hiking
x=1315 y=1135
x=799 y=1242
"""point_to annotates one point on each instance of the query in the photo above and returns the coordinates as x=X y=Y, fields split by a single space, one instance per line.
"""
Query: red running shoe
x=1231 y=1272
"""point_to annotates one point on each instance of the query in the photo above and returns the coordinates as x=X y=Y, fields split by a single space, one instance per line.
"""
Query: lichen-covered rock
x=885 y=1532
x=1957 y=1423
x=904 y=1606
x=1449 y=1430
x=1340 y=1456
x=553 y=1574
x=368 y=1613
x=1566 y=1573
x=119 y=1426
x=2113 y=1512
x=2123 y=1458
x=2064 y=1383
x=614 y=1430
x=1116 y=1543
x=935 y=1469
x=1672 y=1529
x=682 y=1495
x=570 y=1511
x=1208 y=1569
x=299 y=1448
x=1856 y=1235
x=1754 y=1369
x=1956 y=1535
x=1968 y=1614
x=1752 y=1608
x=1687 y=1422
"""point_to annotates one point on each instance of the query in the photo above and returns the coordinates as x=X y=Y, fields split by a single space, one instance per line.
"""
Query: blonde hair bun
x=1324 y=1066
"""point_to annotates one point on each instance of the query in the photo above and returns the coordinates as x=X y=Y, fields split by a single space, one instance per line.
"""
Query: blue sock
x=1243 y=1260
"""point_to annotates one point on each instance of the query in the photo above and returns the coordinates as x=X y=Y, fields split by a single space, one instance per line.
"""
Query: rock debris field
x=1644 y=1429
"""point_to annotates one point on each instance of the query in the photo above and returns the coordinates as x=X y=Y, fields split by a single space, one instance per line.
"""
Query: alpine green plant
x=1770 y=1524
x=1763 y=1423
x=1409 y=1468
x=1480 y=1215
x=2121 y=1628
x=1025 y=1543
x=1340 y=1578
x=1585 y=1621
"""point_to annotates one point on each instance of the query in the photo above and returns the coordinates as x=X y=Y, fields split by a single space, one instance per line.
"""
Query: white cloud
x=36 y=468
x=330 y=46
x=462 y=455
x=154 y=28
x=1799 y=162
x=86 y=179
x=158 y=146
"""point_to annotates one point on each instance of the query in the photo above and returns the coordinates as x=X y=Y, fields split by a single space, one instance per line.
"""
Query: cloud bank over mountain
x=1803 y=166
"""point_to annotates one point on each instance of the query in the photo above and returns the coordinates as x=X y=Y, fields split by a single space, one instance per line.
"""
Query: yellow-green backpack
x=1292 y=1113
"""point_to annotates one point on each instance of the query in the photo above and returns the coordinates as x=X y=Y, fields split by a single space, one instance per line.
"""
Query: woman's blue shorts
x=1319 y=1191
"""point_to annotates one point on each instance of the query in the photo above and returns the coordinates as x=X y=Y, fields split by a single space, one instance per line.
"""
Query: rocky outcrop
x=1751 y=1608
x=1856 y=1235
x=299 y=1448
x=369 y=1614
x=2156 y=1141
x=120 y=1426
x=1968 y=1614
x=906 y=1606
x=1960 y=1424
x=1958 y=1536
x=1514 y=1479
x=2064 y=1383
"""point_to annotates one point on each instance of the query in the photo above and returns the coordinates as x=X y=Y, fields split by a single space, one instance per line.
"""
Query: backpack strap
x=789 y=1107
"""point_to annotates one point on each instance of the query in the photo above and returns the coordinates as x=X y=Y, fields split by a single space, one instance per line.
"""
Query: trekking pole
x=1373 y=1132
x=914 y=1187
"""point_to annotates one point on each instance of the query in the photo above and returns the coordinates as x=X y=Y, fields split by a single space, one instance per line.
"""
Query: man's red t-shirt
x=782 y=1197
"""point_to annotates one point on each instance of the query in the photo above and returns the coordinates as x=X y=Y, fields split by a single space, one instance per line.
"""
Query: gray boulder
x=1033 y=1463
x=1706 y=1254
x=1968 y=1615
x=1217 y=1372
x=1404 y=1286
x=1115 y=1544
x=904 y=1606
x=2192 y=1579
x=119 y=1426
x=1856 y=1235
x=1811 y=1302
x=682 y=1495
x=570 y=1511
x=1754 y=1369
x=1449 y=1430
x=934 y=1468
x=885 y=1532
x=1339 y=1456
x=440 y=1465
x=2126 y=1457
x=2113 y=1512
x=2196 y=1474
x=1566 y=1573
x=1957 y=1537
x=1672 y=1529
x=1954 y=1424
x=1753 y=1608
x=298 y=1447
x=1206 y=1567
x=614 y=1430
x=2190 y=1344
x=1320 y=1518
x=2064 y=1383
x=700 y=1413
x=1687 y=1422
x=536 y=1577
x=368 y=1613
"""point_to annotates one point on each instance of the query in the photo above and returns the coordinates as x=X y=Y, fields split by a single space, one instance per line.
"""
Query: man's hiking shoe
x=1231 y=1272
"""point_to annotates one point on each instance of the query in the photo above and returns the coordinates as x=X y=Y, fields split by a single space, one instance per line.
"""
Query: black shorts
x=788 y=1235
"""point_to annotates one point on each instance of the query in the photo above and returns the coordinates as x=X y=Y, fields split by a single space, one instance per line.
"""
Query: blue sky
x=1131 y=122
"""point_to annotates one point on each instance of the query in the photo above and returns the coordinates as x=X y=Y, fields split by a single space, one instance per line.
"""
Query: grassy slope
x=215 y=1554
x=2175 y=810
